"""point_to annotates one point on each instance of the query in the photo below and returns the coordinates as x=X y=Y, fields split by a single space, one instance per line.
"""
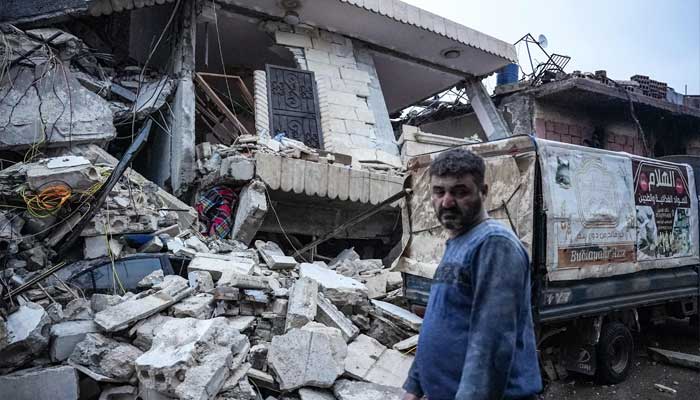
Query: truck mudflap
x=572 y=299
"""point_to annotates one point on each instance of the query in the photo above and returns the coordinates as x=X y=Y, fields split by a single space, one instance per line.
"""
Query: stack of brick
x=650 y=87
x=582 y=134
x=354 y=118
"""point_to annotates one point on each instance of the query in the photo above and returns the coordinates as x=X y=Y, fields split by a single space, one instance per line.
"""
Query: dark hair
x=458 y=162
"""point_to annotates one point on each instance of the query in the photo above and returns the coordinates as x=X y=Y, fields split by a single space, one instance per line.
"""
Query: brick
x=354 y=75
x=549 y=126
x=622 y=139
x=561 y=128
x=324 y=69
x=540 y=129
x=553 y=136
x=292 y=39
x=317 y=55
x=576 y=140
x=343 y=99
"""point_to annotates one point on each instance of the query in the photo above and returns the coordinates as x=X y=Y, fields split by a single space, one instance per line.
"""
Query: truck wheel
x=614 y=353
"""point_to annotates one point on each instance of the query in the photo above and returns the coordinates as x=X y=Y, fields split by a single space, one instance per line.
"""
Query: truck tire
x=615 y=350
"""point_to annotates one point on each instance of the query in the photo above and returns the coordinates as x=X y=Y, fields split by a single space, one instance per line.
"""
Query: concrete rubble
x=163 y=292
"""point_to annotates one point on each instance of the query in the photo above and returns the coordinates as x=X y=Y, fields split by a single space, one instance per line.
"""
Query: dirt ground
x=674 y=335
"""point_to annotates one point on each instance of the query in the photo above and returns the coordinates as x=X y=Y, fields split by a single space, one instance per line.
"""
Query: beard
x=457 y=218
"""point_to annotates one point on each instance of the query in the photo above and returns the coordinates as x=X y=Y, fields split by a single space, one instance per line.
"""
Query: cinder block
x=292 y=39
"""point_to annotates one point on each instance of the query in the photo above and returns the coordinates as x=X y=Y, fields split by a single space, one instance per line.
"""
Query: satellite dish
x=542 y=40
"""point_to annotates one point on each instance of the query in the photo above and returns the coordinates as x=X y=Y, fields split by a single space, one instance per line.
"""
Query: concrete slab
x=198 y=306
x=173 y=289
x=55 y=383
x=329 y=315
x=219 y=265
x=337 y=288
x=66 y=335
x=399 y=315
x=315 y=394
x=301 y=308
x=106 y=356
x=349 y=390
x=250 y=213
x=26 y=335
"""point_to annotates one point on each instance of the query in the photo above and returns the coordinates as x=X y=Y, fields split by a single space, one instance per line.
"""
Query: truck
x=612 y=238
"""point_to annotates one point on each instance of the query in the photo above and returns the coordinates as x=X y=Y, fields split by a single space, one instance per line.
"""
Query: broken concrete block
x=394 y=281
x=219 y=265
x=399 y=315
x=78 y=310
x=151 y=279
x=36 y=258
x=307 y=358
x=243 y=281
x=66 y=335
x=99 y=301
x=241 y=323
x=337 y=288
x=273 y=256
x=363 y=352
x=27 y=335
x=145 y=330
x=238 y=168
x=200 y=281
x=407 y=344
x=106 y=356
x=250 y=213
x=329 y=315
x=349 y=390
x=301 y=308
x=119 y=393
x=376 y=285
x=97 y=246
x=155 y=245
x=75 y=172
x=196 y=244
x=173 y=289
x=190 y=358
x=198 y=306
x=41 y=384
x=315 y=394
x=354 y=268
x=258 y=356
x=347 y=254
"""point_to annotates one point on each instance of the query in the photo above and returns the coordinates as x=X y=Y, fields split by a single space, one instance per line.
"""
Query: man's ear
x=484 y=190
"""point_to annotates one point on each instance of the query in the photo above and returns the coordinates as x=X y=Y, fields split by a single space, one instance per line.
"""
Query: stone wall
x=354 y=117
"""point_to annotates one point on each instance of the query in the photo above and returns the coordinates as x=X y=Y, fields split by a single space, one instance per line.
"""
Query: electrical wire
x=269 y=200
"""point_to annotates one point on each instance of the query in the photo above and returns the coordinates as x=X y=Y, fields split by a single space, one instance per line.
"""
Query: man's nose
x=448 y=201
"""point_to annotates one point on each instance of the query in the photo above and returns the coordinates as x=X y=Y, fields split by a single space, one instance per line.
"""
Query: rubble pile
x=113 y=288
x=243 y=324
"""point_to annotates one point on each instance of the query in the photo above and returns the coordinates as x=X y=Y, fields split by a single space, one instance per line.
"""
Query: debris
x=101 y=246
x=221 y=265
x=407 y=344
x=251 y=211
x=349 y=390
x=78 y=310
x=301 y=308
x=303 y=357
x=273 y=256
x=154 y=278
x=666 y=389
x=197 y=306
x=115 y=318
x=370 y=361
x=347 y=254
x=676 y=358
x=66 y=335
x=105 y=356
x=119 y=393
x=329 y=315
x=27 y=335
x=200 y=281
x=337 y=288
x=315 y=394
x=190 y=358
x=55 y=383
x=399 y=315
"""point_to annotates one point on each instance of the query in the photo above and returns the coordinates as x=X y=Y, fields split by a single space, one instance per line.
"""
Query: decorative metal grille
x=293 y=103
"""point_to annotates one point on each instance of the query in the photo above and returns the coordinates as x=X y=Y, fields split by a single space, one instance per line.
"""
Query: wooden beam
x=219 y=103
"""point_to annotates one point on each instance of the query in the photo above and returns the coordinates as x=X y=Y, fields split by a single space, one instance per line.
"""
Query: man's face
x=458 y=201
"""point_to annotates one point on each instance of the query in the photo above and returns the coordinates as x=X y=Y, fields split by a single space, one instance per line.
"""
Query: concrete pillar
x=182 y=143
x=489 y=118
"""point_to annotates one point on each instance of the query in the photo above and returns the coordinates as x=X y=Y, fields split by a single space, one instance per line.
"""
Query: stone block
x=41 y=384
x=391 y=369
x=343 y=99
x=250 y=213
x=307 y=358
x=399 y=315
x=324 y=69
x=349 y=390
x=340 y=290
x=66 y=335
x=221 y=266
x=78 y=309
x=145 y=330
x=173 y=289
x=329 y=315
x=301 y=308
x=154 y=278
x=198 y=306
x=27 y=335
x=341 y=112
x=365 y=115
x=376 y=285
x=105 y=356
x=353 y=74
x=238 y=168
x=292 y=39
x=97 y=246
x=99 y=301
x=363 y=353
x=77 y=172
x=190 y=358
x=200 y=281
x=317 y=55
x=273 y=256
x=315 y=394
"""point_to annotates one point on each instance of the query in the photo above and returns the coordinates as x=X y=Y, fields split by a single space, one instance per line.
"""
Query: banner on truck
x=662 y=203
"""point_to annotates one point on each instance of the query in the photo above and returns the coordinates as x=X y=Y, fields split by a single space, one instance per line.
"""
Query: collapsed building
x=202 y=198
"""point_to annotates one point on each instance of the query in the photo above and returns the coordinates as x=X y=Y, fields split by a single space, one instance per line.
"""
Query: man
x=477 y=340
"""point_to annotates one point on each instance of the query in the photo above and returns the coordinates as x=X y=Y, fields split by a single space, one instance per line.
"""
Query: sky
x=657 y=38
